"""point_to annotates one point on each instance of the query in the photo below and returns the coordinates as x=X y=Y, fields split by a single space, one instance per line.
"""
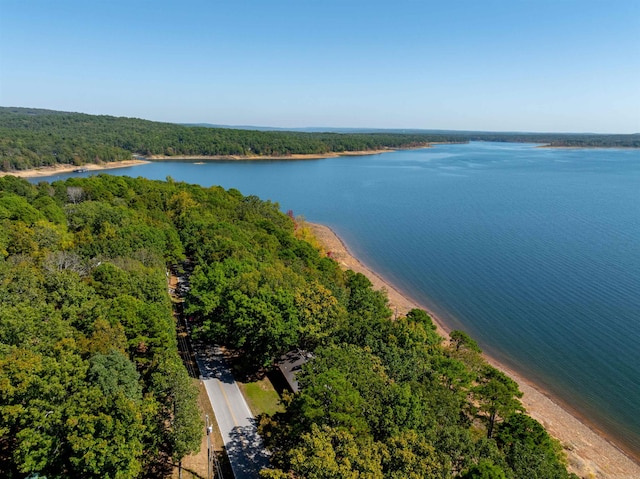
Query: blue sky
x=571 y=66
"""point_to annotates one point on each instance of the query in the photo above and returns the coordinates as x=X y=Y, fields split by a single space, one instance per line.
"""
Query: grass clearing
x=261 y=397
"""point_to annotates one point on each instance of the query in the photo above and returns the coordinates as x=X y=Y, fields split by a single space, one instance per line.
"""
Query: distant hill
x=244 y=127
x=31 y=137
x=418 y=131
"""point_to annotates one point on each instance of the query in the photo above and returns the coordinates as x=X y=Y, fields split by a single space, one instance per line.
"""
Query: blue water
x=535 y=252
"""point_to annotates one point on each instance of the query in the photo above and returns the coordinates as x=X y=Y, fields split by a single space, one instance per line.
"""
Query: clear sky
x=558 y=66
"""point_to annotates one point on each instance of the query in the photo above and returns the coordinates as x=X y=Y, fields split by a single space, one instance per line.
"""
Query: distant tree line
x=574 y=140
x=31 y=138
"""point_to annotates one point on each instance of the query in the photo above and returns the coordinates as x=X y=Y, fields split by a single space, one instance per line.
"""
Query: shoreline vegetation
x=32 y=138
x=590 y=452
x=51 y=170
x=294 y=156
x=45 y=171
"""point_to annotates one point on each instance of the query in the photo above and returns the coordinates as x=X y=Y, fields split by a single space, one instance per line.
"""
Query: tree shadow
x=246 y=452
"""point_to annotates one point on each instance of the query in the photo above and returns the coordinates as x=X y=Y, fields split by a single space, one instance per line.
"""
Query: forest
x=91 y=384
x=32 y=138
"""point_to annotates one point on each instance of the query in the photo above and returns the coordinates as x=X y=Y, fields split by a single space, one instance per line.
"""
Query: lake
x=533 y=251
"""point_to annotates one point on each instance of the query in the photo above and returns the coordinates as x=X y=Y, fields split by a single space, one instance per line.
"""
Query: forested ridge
x=90 y=381
x=31 y=138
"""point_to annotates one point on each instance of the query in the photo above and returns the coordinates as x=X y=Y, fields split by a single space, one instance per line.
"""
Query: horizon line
x=328 y=129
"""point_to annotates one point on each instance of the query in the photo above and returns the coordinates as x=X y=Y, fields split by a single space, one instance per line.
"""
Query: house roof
x=290 y=365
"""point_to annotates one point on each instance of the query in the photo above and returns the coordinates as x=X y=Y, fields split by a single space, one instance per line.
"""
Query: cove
x=533 y=251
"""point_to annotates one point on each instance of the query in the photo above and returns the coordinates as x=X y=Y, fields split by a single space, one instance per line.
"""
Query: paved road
x=237 y=425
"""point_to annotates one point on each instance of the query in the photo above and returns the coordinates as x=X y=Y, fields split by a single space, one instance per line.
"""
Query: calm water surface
x=535 y=252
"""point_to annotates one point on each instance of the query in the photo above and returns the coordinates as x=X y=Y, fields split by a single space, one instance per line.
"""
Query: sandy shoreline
x=590 y=454
x=54 y=170
x=313 y=156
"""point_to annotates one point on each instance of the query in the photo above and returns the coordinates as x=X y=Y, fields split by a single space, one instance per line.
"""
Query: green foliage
x=412 y=456
x=363 y=299
x=35 y=138
x=461 y=340
x=497 y=394
x=91 y=385
x=31 y=138
x=177 y=415
x=421 y=317
x=82 y=337
x=332 y=400
x=50 y=209
x=415 y=401
x=326 y=453
x=115 y=375
x=16 y=208
x=484 y=470
x=528 y=448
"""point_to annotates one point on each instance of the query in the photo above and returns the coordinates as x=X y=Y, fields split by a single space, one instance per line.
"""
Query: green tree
x=327 y=453
x=412 y=456
x=330 y=399
x=529 y=450
x=319 y=314
x=363 y=299
x=178 y=420
x=460 y=339
x=104 y=440
x=113 y=373
x=422 y=317
x=497 y=395
x=16 y=208
x=484 y=470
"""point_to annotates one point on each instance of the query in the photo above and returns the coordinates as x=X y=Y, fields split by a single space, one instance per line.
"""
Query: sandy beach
x=589 y=453
x=277 y=157
x=54 y=170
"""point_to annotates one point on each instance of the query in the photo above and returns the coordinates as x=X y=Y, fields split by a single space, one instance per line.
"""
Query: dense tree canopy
x=91 y=385
x=90 y=381
x=31 y=138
